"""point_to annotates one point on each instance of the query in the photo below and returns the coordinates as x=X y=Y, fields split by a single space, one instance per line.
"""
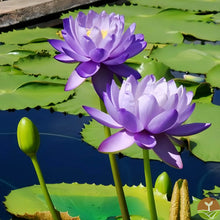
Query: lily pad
x=46 y=66
x=22 y=91
x=100 y=202
x=201 y=5
x=81 y=97
x=193 y=58
x=213 y=76
x=11 y=53
x=29 y=35
x=39 y=48
x=205 y=145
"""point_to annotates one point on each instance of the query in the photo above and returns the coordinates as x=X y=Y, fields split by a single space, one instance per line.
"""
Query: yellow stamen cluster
x=104 y=33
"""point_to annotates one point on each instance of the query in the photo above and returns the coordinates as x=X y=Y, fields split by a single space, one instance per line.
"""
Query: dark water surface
x=65 y=158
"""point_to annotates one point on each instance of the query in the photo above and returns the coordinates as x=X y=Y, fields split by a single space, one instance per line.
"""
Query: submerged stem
x=149 y=186
x=55 y=214
x=116 y=176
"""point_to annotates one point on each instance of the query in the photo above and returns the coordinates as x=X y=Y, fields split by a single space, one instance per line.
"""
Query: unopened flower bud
x=28 y=137
x=163 y=184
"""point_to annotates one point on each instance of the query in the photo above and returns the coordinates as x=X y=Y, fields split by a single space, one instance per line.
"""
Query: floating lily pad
x=213 y=76
x=11 y=53
x=22 y=91
x=29 y=35
x=81 y=97
x=100 y=202
x=193 y=58
x=39 y=47
x=205 y=145
x=46 y=66
x=201 y=5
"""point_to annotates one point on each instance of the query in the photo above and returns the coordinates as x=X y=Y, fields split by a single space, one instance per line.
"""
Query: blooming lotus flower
x=99 y=43
x=150 y=113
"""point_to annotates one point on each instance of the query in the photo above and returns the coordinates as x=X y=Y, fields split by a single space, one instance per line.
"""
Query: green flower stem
x=116 y=175
x=55 y=214
x=149 y=186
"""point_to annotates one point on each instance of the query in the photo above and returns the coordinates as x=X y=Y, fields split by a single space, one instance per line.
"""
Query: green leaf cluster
x=29 y=75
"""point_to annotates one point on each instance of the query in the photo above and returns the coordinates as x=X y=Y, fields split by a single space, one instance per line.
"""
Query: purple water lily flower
x=99 y=43
x=150 y=113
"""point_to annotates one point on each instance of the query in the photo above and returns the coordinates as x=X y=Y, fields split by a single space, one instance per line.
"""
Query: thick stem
x=55 y=214
x=116 y=176
x=149 y=186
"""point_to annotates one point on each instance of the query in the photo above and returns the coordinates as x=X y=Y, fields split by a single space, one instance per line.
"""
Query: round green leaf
x=193 y=58
x=46 y=66
x=21 y=91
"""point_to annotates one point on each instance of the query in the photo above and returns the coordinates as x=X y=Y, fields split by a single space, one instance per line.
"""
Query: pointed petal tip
x=188 y=129
x=207 y=125
x=68 y=87
x=176 y=162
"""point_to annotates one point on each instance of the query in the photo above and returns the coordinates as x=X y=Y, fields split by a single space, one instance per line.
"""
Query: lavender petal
x=102 y=117
x=163 y=121
x=188 y=129
x=167 y=152
x=117 y=142
x=74 y=81
x=87 y=69
x=145 y=140
x=124 y=70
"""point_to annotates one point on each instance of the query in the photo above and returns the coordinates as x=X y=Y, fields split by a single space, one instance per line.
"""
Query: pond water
x=65 y=158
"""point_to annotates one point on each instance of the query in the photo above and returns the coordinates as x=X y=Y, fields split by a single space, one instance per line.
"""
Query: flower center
x=104 y=33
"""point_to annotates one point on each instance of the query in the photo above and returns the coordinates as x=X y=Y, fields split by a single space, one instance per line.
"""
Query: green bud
x=163 y=184
x=28 y=137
